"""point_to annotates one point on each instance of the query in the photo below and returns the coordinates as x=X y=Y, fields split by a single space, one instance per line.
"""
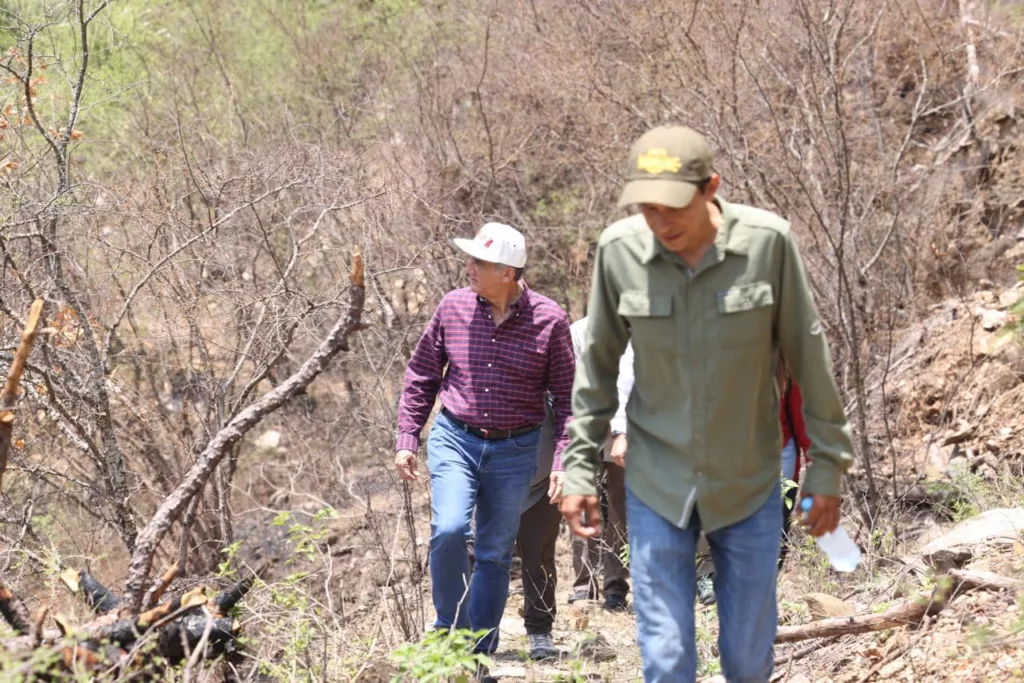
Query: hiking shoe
x=615 y=602
x=542 y=646
x=581 y=595
x=706 y=590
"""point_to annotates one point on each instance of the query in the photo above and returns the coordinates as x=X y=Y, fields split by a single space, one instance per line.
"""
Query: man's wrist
x=407 y=442
x=580 y=484
x=822 y=478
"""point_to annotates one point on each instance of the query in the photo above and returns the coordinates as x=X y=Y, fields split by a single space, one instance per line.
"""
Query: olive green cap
x=665 y=165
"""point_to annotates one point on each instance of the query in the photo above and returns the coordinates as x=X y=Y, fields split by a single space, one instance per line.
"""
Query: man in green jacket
x=708 y=292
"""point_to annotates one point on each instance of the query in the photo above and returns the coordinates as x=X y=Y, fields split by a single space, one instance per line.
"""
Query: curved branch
x=909 y=611
x=9 y=394
x=14 y=611
x=222 y=442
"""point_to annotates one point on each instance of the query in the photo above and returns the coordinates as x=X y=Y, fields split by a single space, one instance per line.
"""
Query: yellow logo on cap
x=657 y=161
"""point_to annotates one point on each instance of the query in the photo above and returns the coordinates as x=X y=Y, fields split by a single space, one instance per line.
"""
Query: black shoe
x=615 y=602
x=542 y=646
x=581 y=595
x=706 y=590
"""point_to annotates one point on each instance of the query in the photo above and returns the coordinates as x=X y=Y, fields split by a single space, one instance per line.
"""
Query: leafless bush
x=190 y=263
x=863 y=123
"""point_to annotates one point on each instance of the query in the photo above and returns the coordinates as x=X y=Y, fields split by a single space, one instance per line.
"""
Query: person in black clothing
x=535 y=546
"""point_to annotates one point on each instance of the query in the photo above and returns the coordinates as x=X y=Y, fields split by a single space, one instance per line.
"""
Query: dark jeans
x=535 y=545
x=605 y=552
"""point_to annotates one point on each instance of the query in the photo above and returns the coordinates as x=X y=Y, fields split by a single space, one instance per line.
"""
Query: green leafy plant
x=440 y=657
x=575 y=673
x=306 y=537
x=787 y=486
x=225 y=568
x=708 y=663
x=298 y=620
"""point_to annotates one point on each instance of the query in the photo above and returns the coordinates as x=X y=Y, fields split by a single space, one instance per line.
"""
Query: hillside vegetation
x=192 y=188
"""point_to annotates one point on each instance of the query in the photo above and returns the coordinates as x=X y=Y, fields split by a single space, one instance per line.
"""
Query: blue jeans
x=493 y=478
x=664 y=582
x=789 y=459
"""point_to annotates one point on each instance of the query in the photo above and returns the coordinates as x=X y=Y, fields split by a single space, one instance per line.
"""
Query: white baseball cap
x=496 y=243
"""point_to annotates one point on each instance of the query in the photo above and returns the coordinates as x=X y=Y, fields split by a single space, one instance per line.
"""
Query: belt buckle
x=486 y=433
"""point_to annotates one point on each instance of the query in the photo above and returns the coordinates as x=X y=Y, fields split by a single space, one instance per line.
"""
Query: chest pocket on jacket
x=650 y=317
x=745 y=314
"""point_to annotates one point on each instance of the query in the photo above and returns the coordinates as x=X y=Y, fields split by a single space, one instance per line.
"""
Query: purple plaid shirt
x=497 y=378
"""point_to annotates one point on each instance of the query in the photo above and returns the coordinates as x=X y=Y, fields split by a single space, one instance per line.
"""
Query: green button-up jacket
x=703 y=417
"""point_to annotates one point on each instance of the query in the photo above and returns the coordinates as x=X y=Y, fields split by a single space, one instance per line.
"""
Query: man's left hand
x=555 y=487
x=824 y=515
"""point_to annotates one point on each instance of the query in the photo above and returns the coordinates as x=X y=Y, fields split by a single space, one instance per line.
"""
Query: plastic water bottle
x=842 y=552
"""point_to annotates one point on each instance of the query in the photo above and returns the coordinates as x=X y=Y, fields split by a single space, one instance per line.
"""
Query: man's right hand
x=405 y=465
x=618 y=450
x=583 y=513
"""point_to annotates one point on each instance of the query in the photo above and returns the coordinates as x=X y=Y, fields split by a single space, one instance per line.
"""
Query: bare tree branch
x=172 y=507
x=9 y=394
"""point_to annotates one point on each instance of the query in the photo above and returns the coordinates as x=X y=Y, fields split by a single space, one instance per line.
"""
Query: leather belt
x=489 y=434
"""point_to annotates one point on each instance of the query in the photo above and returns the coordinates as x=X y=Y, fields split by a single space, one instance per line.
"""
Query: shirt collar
x=654 y=246
x=726 y=241
x=524 y=301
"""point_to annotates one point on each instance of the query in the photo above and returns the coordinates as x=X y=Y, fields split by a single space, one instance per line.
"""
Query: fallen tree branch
x=157 y=591
x=978 y=580
x=907 y=612
x=14 y=611
x=804 y=651
x=218 y=446
x=226 y=600
x=197 y=654
x=9 y=394
x=96 y=595
x=190 y=626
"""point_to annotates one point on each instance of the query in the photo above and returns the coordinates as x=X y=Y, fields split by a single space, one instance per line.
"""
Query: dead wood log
x=96 y=595
x=180 y=638
x=223 y=603
x=221 y=443
x=9 y=394
x=189 y=624
x=126 y=631
x=905 y=613
x=14 y=611
x=979 y=580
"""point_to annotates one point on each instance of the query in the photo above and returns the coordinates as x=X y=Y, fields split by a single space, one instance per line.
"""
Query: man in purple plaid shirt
x=491 y=353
